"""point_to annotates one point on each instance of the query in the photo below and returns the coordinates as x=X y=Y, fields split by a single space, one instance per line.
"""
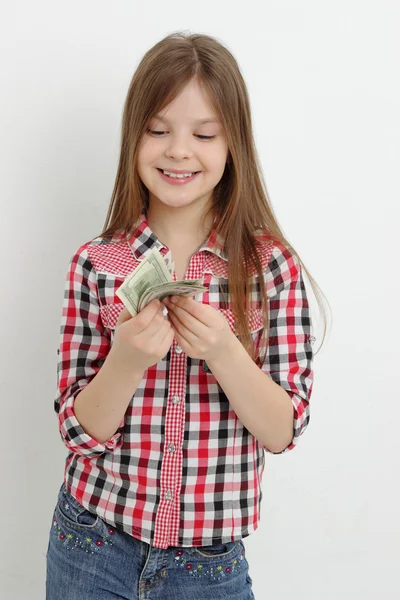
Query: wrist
x=117 y=367
x=231 y=346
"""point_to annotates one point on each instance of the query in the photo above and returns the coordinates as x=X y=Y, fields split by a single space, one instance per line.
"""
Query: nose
x=178 y=147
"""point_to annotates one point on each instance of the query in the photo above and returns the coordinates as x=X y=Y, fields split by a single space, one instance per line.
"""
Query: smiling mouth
x=162 y=171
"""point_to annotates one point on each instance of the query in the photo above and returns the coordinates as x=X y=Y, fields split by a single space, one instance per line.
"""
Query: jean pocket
x=74 y=527
x=72 y=513
x=219 y=550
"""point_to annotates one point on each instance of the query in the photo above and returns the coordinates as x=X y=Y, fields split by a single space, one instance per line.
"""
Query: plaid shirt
x=181 y=470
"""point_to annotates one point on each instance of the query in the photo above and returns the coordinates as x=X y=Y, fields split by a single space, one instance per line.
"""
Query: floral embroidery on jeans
x=215 y=572
x=73 y=541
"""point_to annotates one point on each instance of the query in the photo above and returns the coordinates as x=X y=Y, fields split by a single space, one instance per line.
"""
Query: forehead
x=192 y=105
x=200 y=121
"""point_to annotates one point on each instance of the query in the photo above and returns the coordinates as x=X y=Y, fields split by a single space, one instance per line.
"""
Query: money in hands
x=152 y=279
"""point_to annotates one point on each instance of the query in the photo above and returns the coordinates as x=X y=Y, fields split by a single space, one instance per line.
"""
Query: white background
x=323 y=80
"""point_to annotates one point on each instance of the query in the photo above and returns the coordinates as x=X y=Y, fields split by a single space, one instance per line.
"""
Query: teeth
x=178 y=176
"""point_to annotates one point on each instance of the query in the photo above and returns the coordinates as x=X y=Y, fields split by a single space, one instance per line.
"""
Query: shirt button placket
x=172 y=460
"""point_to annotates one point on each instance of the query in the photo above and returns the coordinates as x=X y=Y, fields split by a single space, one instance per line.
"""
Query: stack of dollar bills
x=153 y=278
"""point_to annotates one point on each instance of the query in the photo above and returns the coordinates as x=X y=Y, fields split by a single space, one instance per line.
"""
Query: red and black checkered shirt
x=181 y=470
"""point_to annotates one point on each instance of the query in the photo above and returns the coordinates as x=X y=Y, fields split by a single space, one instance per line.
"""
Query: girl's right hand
x=141 y=341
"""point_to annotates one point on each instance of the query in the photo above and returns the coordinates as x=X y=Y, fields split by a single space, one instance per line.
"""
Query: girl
x=167 y=415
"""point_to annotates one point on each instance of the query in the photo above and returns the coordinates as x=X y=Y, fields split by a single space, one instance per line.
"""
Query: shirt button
x=168 y=495
x=176 y=399
x=178 y=350
x=171 y=447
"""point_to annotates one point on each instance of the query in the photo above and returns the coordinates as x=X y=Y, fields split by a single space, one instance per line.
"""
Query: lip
x=178 y=171
x=174 y=181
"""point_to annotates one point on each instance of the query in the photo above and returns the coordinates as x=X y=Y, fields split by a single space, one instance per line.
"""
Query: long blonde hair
x=240 y=200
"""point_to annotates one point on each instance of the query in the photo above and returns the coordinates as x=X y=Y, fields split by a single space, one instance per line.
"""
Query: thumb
x=123 y=316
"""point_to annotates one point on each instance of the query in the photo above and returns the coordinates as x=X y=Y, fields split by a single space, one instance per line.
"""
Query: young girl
x=167 y=415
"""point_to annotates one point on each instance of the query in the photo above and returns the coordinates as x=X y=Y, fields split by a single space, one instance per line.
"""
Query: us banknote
x=152 y=279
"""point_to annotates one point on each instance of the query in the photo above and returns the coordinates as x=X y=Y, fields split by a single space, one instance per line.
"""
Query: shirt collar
x=143 y=239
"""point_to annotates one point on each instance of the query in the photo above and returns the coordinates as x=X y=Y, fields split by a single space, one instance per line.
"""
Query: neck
x=177 y=227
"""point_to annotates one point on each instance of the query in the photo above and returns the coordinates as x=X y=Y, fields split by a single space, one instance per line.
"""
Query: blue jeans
x=87 y=559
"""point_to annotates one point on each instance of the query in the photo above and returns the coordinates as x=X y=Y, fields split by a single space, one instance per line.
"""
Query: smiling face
x=181 y=146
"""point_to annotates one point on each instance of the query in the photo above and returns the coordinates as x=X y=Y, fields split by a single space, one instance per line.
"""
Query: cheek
x=145 y=166
x=140 y=161
x=147 y=154
x=218 y=157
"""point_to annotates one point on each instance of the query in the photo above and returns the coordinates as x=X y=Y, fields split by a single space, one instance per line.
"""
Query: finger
x=123 y=316
x=180 y=328
x=142 y=319
x=197 y=309
x=182 y=339
x=168 y=336
x=190 y=322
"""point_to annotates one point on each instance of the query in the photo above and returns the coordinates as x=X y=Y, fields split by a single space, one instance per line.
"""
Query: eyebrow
x=197 y=121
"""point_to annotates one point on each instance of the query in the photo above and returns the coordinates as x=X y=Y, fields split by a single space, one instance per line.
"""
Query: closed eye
x=203 y=137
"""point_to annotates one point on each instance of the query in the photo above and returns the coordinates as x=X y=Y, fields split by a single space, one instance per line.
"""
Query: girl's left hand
x=201 y=331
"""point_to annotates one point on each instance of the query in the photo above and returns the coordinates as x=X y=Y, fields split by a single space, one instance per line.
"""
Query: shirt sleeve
x=289 y=357
x=84 y=345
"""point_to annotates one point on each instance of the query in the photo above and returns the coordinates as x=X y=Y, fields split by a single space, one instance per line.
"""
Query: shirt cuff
x=301 y=418
x=80 y=442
